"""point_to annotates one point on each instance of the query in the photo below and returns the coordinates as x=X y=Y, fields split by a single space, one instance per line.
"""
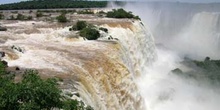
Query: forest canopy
x=50 y=4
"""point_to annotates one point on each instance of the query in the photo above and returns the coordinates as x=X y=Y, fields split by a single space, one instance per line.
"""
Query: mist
x=191 y=30
x=180 y=30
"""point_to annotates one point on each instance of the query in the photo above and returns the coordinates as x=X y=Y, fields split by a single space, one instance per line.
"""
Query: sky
x=198 y=1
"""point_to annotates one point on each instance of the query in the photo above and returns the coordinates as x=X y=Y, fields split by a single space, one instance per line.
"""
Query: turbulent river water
x=103 y=72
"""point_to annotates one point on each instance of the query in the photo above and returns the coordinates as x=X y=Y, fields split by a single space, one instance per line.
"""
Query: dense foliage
x=207 y=69
x=87 y=31
x=90 y=33
x=120 y=13
x=33 y=93
x=49 y=4
x=79 y=26
x=62 y=18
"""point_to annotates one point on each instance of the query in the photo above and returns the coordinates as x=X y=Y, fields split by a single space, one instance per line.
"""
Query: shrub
x=90 y=33
x=62 y=18
x=33 y=93
x=79 y=26
x=39 y=14
x=20 y=17
x=1 y=16
x=29 y=18
x=102 y=12
x=75 y=105
x=121 y=13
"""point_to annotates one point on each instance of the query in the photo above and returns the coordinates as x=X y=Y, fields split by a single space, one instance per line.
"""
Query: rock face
x=102 y=72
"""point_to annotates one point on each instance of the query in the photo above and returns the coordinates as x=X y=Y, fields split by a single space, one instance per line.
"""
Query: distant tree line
x=50 y=4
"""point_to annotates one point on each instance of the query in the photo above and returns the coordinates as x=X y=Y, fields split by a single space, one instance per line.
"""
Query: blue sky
x=200 y=1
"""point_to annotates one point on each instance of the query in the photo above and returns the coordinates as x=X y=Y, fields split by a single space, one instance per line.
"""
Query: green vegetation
x=87 y=31
x=29 y=18
x=90 y=33
x=207 y=69
x=39 y=14
x=121 y=13
x=177 y=71
x=33 y=93
x=1 y=16
x=102 y=12
x=79 y=26
x=23 y=17
x=62 y=18
x=20 y=17
x=50 y=4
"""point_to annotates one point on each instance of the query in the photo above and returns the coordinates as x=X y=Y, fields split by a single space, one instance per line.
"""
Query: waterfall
x=103 y=72
x=178 y=25
x=180 y=30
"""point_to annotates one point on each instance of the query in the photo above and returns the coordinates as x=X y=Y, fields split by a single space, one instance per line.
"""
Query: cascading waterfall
x=202 y=34
x=180 y=30
x=180 y=25
x=138 y=45
x=102 y=72
x=128 y=72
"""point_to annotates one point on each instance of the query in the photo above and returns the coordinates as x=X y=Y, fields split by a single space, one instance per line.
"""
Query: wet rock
x=110 y=38
x=3 y=28
x=116 y=39
x=2 y=54
x=17 y=68
x=17 y=49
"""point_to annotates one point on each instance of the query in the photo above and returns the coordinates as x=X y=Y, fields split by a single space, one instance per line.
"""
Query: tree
x=120 y=13
x=33 y=93
x=49 y=4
